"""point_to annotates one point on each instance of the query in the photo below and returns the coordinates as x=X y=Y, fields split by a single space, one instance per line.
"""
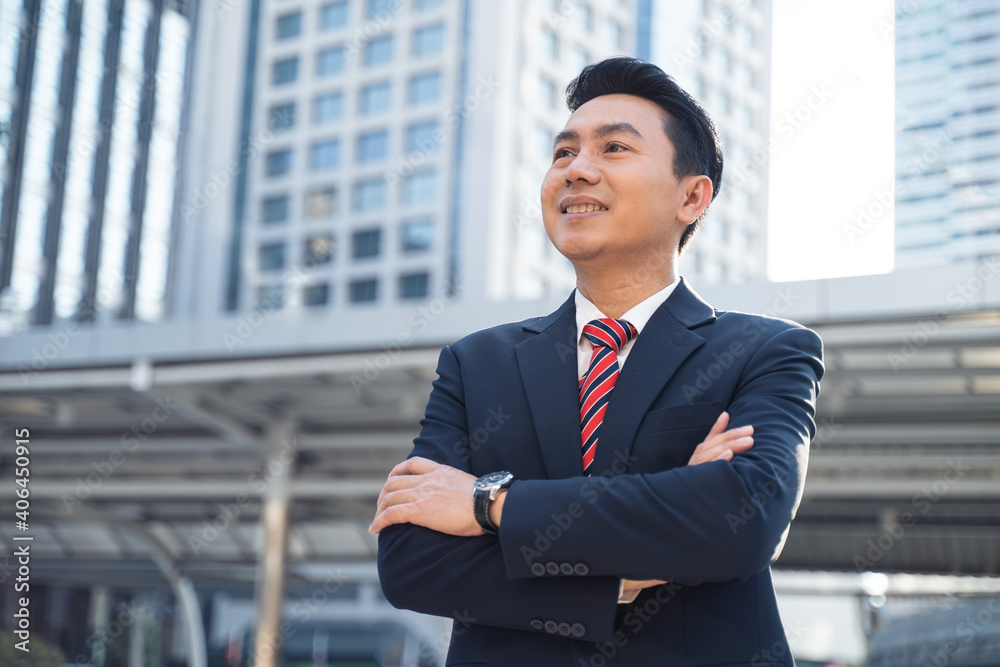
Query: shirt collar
x=637 y=316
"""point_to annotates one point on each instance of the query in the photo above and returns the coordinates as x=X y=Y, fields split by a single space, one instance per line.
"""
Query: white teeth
x=585 y=208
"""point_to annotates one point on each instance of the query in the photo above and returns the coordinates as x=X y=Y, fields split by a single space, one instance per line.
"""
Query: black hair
x=687 y=125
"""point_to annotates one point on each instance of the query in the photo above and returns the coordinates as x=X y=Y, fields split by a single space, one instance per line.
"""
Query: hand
x=427 y=494
x=633 y=585
x=722 y=445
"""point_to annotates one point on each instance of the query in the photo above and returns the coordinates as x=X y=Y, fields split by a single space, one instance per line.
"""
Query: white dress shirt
x=637 y=316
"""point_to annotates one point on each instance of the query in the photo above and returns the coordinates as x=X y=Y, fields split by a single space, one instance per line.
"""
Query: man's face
x=611 y=196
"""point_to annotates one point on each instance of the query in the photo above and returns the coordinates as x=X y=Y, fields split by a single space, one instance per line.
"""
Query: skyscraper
x=948 y=131
x=360 y=152
x=91 y=111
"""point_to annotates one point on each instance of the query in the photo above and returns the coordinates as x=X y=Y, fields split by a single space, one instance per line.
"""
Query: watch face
x=493 y=479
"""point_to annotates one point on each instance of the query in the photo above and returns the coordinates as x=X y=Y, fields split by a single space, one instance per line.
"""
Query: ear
x=697 y=197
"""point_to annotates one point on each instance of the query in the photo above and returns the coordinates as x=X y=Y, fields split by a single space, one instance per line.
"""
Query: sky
x=832 y=147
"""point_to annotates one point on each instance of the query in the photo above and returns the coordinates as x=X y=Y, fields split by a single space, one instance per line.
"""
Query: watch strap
x=481 y=510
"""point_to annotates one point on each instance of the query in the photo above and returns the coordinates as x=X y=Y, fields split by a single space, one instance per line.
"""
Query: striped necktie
x=607 y=336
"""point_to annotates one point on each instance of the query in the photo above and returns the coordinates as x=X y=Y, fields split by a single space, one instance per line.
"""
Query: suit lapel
x=664 y=344
x=548 y=366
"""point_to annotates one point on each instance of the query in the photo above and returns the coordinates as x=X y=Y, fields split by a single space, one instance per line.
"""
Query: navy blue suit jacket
x=544 y=592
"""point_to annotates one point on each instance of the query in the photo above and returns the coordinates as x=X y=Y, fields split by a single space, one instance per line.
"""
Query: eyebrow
x=601 y=132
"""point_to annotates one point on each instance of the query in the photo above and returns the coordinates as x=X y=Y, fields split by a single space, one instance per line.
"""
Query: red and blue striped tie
x=608 y=336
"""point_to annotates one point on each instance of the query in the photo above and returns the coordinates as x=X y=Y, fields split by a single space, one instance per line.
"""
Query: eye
x=616 y=148
x=561 y=152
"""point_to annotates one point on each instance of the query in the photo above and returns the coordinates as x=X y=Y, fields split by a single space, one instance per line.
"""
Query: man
x=633 y=527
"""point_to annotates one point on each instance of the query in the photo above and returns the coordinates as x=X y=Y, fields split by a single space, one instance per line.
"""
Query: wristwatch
x=485 y=491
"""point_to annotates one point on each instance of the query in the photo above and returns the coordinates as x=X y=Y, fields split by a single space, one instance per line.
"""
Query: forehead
x=644 y=115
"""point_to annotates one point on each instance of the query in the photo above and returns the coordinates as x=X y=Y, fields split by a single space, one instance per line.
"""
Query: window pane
x=330 y=61
x=417 y=235
x=421 y=137
x=364 y=290
x=321 y=202
x=318 y=250
x=366 y=243
x=285 y=71
x=420 y=5
x=413 y=285
x=278 y=162
x=327 y=107
x=369 y=195
x=333 y=15
x=550 y=43
x=373 y=146
x=324 y=155
x=270 y=296
x=282 y=116
x=381 y=8
x=275 y=209
x=374 y=98
x=420 y=187
x=425 y=87
x=272 y=256
x=378 y=51
x=288 y=26
x=316 y=295
x=428 y=40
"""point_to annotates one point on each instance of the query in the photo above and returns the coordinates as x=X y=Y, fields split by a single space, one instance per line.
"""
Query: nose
x=582 y=168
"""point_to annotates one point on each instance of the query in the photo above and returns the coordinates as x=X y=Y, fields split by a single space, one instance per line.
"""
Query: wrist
x=496 y=507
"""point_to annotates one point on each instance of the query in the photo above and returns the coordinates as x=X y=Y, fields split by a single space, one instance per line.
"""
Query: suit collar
x=548 y=366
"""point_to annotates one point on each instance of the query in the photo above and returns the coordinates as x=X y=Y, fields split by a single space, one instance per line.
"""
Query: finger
x=707 y=453
x=388 y=517
x=720 y=425
x=397 y=483
x=415 y=466
x=731 y=434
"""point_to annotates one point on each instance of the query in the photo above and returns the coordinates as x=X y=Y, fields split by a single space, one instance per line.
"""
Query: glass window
x=417 y=235
x=272 y=256
x=327 y=107
x=613 y=32
x=282 y=116
x=275 y=209
x=324 y=155
x=381 y=8
x=413 y=285
x=333 y=15
x=285 y=71
x=378 y=51
x=369 y=195
x=421 y=137
x=548 y=92
x=366 y=243
x=580 y=58
x=318 y=250
x=288 y=25
x=428 y=40
x=270 y=296
x=373 y=146
x=316 y=295
x=330 y=61
x=321 y=202
x=584 y=17
x=420 y=187
x=374 y=98
x=363 y=291
x=550 y=43
x=278 y=162
x=421 y=5
x=425 y=87
x=543 y=142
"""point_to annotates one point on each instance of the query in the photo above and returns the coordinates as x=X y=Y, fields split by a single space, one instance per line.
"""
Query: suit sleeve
x=719 y=521
x=465 y=577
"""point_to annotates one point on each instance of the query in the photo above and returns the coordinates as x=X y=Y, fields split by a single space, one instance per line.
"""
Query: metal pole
x=271 y=571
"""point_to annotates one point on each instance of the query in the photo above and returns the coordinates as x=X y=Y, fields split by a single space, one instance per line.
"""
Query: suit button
x=537 y=624
x=552 y=567
x=578 y=630
x=564 y=629
x=566 y=568
x=581 y=569
x=537 y=569
x=551 y=627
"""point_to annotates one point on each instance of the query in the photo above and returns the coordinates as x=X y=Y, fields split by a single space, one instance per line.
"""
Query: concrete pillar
x=271 y=565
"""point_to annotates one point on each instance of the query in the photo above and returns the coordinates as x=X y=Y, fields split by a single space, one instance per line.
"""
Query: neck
x=615 y=293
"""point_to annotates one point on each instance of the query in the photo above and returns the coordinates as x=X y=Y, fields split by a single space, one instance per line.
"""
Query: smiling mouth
x=584 y=208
